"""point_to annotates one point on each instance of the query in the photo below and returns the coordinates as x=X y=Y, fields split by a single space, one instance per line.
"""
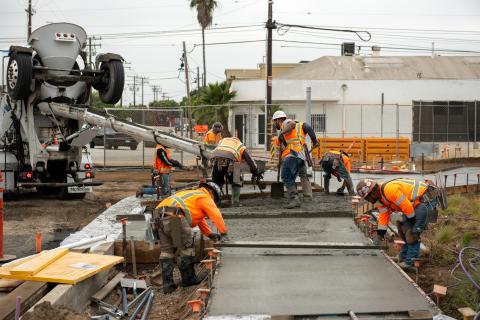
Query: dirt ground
x=55 y=219
x=45 y=311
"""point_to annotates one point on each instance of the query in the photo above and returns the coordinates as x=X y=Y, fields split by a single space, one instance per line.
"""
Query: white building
x=435 y=99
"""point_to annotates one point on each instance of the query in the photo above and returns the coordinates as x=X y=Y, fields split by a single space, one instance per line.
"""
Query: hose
x=464 y=269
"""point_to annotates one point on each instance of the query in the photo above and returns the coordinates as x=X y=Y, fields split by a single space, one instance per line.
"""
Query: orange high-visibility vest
x=190 y=201
x=346 y=159
x=212 y=138
x=295 y=140
x=158 y=164
x=232 y=145
x=401 y=195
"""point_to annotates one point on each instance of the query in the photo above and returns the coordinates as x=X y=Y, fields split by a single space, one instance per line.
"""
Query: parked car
x=114 y=140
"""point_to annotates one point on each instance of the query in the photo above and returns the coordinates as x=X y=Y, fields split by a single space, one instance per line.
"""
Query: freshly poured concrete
x=296 y=230
x=311 y=285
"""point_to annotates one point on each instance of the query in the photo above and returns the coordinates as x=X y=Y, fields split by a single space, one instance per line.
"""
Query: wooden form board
x=71 y=268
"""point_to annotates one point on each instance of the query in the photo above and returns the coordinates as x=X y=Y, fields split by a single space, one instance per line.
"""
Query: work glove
x=377 y=240
x=224 y=237
x=214 y=236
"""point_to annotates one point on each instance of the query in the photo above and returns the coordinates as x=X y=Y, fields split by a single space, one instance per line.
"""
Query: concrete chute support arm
x=100 y=118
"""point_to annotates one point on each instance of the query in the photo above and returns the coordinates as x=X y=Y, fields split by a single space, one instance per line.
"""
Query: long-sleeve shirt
x=162 y=155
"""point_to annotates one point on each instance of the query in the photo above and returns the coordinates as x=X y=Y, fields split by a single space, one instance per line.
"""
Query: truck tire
x=133 y=147
x=92 y=145
x=19 y=75
x=114 y=79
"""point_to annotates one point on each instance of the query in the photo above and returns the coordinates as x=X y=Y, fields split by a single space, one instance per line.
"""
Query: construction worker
x=291 y=142
x=214 y=135
x=162 y=166
x=227 y=159
x=188 y=209
x=411 y=197
x=337 y=163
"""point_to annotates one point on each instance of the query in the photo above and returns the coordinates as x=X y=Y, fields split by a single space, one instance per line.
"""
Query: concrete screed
x=255 y=281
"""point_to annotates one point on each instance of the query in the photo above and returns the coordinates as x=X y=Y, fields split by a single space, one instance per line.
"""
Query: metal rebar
x=124 y=300
x=139 y=307
x=140 y=296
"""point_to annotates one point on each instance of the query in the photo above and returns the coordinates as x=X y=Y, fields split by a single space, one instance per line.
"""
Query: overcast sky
x=401 y=27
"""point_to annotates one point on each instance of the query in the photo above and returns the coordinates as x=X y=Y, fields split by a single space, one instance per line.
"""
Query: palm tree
x=204 y=17
x=215 y=94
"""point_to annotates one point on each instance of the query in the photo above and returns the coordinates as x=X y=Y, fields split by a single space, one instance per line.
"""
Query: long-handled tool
x=277 y=188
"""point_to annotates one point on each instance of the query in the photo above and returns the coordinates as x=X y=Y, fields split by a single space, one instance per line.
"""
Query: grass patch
x=445 y=234
x=467 y=239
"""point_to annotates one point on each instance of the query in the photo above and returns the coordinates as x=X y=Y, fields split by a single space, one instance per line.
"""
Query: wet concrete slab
x=311 y=285
x=295 y=230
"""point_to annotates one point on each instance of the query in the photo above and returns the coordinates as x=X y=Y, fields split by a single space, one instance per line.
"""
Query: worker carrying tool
x=294 y=155
x=214 y=135
x=411 y=197
x=162 y=166
x=174 y=219
x=337 y=163
x=227 y=161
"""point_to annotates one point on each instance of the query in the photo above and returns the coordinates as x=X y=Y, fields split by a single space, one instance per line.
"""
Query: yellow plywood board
x=39 y=262
x=71 y=268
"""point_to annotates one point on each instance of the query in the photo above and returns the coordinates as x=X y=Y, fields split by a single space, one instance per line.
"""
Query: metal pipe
x=139 y=307
x=147 y=307
x=139 y=297
x=85 y=242
x=124 y=301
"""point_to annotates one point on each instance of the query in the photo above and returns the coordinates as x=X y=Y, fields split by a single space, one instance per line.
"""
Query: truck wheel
x=115 y=147
x=133 y=147
x=92 y=145
x=19 y=75
x=113 y=78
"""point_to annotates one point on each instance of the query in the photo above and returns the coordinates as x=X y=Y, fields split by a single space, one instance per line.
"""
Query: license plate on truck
x=77 y=189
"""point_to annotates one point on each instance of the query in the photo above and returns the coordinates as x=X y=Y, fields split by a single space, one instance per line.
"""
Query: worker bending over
x=187 y=208
x=411 y=197
x=214 y=135
x=337 y=163
x=227 y=160
x=162 y=166
x=294 y=153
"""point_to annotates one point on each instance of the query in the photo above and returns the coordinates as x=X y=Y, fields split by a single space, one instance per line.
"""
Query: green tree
x=96 y=102
x=163 y=103
x=215 y=98
x=204 y=17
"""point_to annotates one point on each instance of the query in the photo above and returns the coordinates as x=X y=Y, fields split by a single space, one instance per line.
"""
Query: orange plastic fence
x=367 y=149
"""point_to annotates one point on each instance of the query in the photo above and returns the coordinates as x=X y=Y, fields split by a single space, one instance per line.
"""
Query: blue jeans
x=411 y=248
x=165 y=179
x=290 y=168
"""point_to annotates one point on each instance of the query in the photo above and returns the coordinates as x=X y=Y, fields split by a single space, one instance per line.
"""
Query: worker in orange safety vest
x=413 y=198
x=189 y=208
x=337 y=163
x=227 y=159
x=162 y=166
x=294 y=154
x=214 y=135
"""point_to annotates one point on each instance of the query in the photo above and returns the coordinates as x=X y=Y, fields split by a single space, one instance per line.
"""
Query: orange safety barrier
x=366 y=149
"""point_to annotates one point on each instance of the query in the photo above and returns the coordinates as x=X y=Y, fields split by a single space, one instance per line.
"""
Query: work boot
x=187 y=270
x=307 y=190
x=167 y=275
x=406 y=267
x=341 y=190
x=236 y=196
x=294 y=200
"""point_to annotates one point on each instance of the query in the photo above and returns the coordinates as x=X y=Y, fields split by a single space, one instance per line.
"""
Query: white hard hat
x=279 y=114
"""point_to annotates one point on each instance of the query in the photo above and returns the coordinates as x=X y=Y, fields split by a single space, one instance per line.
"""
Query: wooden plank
x=30 y=292
x=100 y=295
x=9 y=284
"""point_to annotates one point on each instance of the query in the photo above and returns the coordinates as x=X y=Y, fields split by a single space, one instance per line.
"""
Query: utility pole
x=91 y=49
x=187 y=82
x=270 y=25
x=134 y=91
x=198 y=81
x=30 y=12
x=156 y=89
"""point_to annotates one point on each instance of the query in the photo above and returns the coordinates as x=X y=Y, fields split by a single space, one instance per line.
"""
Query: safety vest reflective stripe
x=400 y=200
x=235 y=150
x=382 y=209
x=180 y=201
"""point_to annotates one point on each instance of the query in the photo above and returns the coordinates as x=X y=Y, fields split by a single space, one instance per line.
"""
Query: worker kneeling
x=174 y=219
x=214 y=135
x=337 y=163
x=227 y=161
x=411 y=197
x=162 y=166
x=295 y=155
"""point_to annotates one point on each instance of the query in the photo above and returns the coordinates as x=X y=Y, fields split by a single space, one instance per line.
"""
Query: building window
x=291 y=116
x=318 y=122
